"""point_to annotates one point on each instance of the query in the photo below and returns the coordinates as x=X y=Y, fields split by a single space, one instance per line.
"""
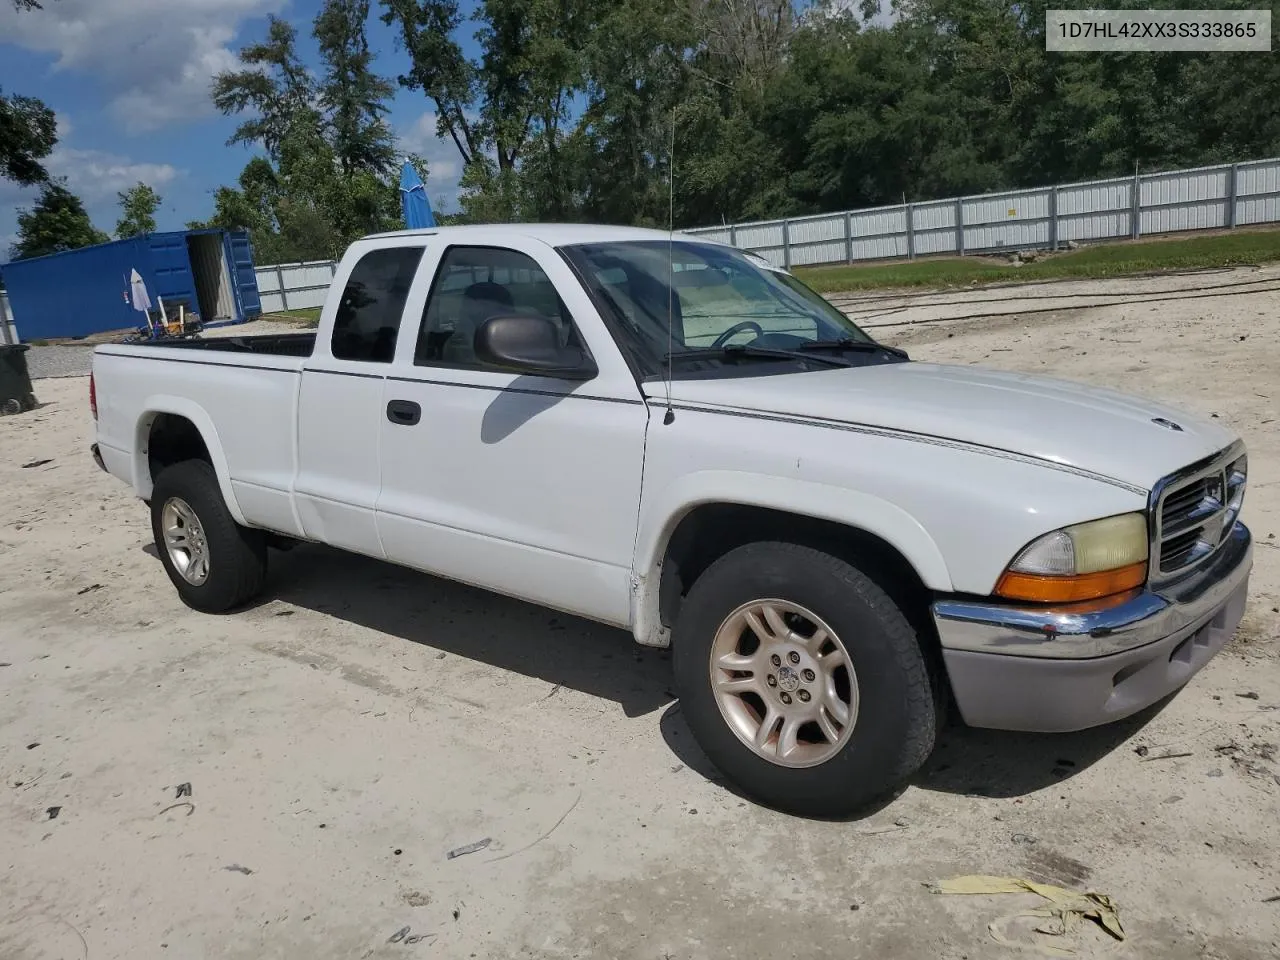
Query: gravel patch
x=58 y=361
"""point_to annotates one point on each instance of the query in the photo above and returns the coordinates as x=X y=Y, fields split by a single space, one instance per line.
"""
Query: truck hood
x=1089 y=428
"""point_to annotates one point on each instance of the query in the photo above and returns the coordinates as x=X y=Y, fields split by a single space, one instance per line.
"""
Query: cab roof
x=553 y=234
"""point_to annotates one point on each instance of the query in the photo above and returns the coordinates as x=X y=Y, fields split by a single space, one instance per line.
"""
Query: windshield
x=715 y=297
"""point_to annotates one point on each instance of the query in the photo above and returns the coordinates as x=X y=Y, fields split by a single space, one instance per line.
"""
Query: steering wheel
x=737 y=328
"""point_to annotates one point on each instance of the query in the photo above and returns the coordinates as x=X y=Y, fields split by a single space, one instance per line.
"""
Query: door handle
x=404 y=412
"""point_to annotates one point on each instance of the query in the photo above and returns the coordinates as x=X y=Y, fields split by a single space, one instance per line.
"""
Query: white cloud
x=143 y=108
x=441 y=152
x=95 y=175
x=154 y=59
x=444 y=165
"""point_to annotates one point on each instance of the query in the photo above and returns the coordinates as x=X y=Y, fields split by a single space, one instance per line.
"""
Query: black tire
x=237 y=556
x=897 y=718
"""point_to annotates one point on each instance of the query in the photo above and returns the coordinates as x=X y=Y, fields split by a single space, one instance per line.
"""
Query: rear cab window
x=367 y=320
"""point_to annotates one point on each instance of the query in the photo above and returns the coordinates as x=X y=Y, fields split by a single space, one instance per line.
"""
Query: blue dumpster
x=82 y=292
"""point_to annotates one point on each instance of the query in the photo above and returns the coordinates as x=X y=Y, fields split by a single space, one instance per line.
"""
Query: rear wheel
x=802 y=680
x=215 y=564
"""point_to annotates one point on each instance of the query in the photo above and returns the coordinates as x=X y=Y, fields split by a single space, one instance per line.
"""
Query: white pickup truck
x=667 y=435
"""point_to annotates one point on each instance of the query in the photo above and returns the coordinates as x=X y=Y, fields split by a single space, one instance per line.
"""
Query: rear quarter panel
x=244 y=407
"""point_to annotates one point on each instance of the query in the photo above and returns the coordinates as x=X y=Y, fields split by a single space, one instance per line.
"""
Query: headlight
x=1081 y=562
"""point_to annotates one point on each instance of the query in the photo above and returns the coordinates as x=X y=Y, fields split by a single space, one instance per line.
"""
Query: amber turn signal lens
x=1088 y=586
x=1093 y=606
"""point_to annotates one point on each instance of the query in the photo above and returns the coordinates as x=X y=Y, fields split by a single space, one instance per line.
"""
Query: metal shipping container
x=85 y=291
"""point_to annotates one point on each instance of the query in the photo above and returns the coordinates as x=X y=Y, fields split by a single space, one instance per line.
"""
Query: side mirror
x=526 y=344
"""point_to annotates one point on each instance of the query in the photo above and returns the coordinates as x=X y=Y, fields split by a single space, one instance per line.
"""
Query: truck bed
x=242 y=391
x=272 y=344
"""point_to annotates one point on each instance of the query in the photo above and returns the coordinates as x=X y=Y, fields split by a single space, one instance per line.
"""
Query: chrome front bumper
x=1019 y=668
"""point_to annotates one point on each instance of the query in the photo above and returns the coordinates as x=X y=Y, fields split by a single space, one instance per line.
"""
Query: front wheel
x=802 y=680
x=215 y=564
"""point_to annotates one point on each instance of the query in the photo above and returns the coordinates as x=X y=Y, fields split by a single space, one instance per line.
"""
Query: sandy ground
x=340 y=738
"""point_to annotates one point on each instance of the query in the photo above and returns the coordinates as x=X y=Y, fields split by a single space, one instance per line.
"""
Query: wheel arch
x=174 y=420
x=705 y=515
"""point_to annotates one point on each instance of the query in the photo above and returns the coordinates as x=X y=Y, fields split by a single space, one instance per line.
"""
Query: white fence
x=1205 y=198
x=294 y=286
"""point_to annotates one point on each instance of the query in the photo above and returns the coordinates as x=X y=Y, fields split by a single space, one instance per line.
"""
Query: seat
x=657 y=302
x=480 y=302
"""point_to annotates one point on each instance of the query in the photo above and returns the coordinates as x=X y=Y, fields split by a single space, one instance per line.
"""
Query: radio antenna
x=671 y=266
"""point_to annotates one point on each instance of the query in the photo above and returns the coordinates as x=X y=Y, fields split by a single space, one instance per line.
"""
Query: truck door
x=340 y=399
x=528 y=485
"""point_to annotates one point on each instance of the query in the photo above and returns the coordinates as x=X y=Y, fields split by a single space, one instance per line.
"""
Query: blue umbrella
x=413 y=199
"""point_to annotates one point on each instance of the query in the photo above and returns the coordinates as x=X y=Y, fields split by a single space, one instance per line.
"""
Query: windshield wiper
x=736 y=351
x=848 y=343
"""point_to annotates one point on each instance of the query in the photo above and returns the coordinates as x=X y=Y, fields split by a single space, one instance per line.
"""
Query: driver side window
x=475 y=284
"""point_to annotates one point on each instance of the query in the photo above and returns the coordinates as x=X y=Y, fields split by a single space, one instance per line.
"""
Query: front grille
x=1181 y=505
x=1175 y=551
x=1194 y=510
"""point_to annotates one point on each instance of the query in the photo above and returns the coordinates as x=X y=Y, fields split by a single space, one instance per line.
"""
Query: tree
x=637 y=78
x=515 y=97
x=250 y=206
x=28 y=133
x=1232 y=120
x=746 y=39
x=138 y=206
x=554 y=62
x=56 y=223
x=274 y=85
x=353 y=96
x=568 y=109
x=327 y=176
x=439 y=67
x=281 y=229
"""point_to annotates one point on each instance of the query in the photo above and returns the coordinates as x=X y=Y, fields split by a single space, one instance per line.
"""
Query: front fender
x=866 y=512
x=181 y=407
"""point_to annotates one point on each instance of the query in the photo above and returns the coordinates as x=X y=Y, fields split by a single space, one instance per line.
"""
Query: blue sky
x=129 y=81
